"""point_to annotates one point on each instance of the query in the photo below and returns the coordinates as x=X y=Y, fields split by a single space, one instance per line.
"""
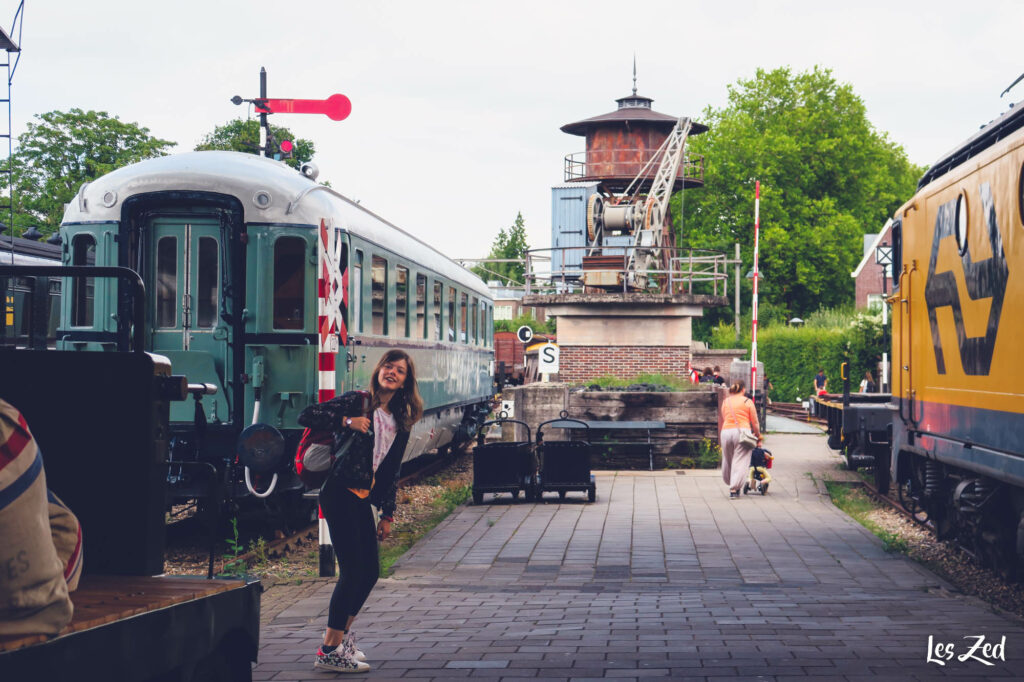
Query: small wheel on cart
x=746 y=488
x=764 y=488
x=592 y=493
x=478 y=497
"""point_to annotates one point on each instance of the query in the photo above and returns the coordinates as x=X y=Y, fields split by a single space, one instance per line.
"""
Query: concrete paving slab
x=664 y=576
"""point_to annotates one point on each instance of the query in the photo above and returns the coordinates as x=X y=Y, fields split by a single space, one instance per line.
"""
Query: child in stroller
x=760 y=463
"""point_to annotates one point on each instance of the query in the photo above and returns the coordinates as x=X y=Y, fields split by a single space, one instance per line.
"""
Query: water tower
x=616 y=285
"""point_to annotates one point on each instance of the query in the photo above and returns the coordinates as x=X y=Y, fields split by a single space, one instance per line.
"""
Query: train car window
x=463 y=318
x=437 y=311
x=379 y=272
x=451 y=314
x=357 y=290
x=206 y=279
x=474 y=313
x=420 y=324
x=83 y=252
x=289 y=282
x=961 y=224
x=167 y=282
x=401 y=301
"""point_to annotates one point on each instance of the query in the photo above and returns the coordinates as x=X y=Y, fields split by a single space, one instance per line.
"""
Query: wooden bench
x=646 y=426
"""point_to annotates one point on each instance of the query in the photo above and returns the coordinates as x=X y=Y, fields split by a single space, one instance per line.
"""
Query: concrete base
x=623 y=334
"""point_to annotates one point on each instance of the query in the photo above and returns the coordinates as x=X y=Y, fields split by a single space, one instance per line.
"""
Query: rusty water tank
x=621 y=142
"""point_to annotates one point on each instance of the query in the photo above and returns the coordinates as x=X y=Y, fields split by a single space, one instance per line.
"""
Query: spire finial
x=634 y=74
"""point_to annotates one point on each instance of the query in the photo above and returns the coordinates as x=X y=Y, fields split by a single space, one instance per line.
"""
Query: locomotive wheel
x=515 y=494
x=561 y=495
x=478 y=498
x=592 y=494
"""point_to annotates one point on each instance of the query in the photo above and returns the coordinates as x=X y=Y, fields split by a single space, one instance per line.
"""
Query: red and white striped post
x=330 y=325
x=753 y=341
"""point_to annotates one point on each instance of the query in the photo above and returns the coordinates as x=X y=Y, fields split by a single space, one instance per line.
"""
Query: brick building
x=869 y=274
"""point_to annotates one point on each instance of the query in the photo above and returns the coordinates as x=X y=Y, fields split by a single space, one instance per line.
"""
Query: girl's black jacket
x=355 y=470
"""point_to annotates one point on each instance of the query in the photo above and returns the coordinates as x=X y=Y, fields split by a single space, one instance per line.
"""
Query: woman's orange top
x=738 y=413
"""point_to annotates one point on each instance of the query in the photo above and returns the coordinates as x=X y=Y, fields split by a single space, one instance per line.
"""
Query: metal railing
x=560 y=270
x=624 y=163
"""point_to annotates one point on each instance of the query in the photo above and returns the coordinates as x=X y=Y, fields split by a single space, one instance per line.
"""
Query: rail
x=560 y=270
x=624 y=163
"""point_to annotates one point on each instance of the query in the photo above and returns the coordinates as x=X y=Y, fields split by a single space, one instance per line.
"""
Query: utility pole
x=736 y=304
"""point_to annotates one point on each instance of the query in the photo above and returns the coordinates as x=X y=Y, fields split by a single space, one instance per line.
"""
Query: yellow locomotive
x=957 y=341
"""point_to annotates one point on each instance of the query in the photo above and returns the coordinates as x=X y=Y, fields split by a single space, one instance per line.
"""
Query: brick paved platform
x=663 y=576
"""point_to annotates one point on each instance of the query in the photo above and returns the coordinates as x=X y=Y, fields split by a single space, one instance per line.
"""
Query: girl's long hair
x=406 y=404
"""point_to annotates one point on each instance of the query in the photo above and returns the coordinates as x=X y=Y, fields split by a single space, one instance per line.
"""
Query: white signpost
x=547 y=360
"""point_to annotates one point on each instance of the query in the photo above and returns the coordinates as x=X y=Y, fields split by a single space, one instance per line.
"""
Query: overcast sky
x=457 y=105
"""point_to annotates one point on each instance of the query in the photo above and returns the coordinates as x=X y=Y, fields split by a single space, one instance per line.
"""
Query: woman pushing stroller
x=741 y=432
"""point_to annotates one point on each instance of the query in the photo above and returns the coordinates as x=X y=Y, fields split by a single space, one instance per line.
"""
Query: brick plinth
x=577 y=364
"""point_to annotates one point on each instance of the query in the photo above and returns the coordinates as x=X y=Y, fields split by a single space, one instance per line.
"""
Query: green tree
x=243 y=135
x=61 y=150
x=827 y=177
x=509 y=244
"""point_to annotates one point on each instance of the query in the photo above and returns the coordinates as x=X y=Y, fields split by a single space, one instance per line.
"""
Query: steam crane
x=643 y=217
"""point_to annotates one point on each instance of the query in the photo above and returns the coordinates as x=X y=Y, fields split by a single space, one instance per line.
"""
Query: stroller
x=760 y=463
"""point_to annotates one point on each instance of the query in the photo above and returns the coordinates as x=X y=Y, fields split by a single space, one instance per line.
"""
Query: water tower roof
x=632 y=108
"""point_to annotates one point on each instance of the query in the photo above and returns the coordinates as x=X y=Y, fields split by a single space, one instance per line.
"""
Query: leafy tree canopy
x=509 y=243
x=61 y=150
x=827 y=178
x=243 y=135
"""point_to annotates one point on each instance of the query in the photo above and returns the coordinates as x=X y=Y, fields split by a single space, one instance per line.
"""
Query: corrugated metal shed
x=569 y=226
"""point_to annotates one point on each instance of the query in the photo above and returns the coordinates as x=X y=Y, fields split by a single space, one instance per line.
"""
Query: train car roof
x=28 y=252
x=1001 y=127
x=270 y=192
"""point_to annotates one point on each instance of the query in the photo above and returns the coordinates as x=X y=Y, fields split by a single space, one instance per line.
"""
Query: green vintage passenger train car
x=228 y=245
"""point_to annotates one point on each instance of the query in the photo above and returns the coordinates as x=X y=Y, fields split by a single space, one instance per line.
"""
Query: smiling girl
x=367 y=474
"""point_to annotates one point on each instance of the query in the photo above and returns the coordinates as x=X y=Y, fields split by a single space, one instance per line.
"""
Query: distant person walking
x=739 y=418
x=820 y=383
x=867 y=384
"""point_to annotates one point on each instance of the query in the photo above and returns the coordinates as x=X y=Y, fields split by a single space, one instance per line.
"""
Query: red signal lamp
x=287 y=146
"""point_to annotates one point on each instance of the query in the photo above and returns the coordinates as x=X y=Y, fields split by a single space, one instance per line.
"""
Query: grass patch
x=859 y=506
x=453 y=495
x=611 y=381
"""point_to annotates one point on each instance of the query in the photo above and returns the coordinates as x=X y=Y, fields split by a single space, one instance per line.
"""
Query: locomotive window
x=401 y=301
x=206 y=296
x=474 y=313
x=451 y=314
x=289 y=282
x=897 y=252
x=83 y=252
x=357 y=291
x=961 y=224
x=437 y=311
x=167 y=282
x=420 y=325
x=379 y=271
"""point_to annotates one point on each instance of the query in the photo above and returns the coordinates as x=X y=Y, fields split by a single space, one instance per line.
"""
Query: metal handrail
x=697 y=266
x=624 y=163
x=137 y=292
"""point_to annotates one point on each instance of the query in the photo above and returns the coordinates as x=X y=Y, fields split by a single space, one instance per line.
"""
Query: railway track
x=794 y=411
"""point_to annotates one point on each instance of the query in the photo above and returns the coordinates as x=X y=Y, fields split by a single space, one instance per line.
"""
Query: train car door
x=185 y=278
